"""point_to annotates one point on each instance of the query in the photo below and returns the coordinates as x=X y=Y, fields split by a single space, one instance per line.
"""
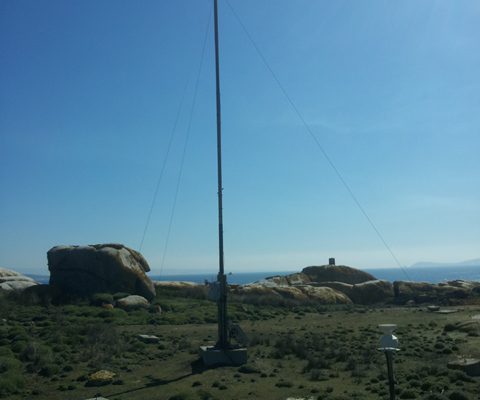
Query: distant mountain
x=468 y=263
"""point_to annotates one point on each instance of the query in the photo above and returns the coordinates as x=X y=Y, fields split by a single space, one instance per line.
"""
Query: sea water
x=419 y=274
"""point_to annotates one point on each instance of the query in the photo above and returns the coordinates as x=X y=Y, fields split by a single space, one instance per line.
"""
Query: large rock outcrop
x=83 y=270
x=370 y=292
x=296 y=278
x=452 y=292
x=257 y=292
x=337 y=273
x=326 y=284
x=13 y=281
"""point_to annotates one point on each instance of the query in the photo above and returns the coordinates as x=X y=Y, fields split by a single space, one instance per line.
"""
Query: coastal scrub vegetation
x=319 y=352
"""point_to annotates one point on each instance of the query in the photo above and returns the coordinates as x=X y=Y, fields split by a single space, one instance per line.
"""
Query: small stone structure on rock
x=84 y=270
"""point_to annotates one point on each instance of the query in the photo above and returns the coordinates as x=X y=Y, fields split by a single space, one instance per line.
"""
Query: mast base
x=213 y=356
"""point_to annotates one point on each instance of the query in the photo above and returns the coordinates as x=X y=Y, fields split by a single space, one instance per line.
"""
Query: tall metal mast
x=223 y=353
x=223 y=341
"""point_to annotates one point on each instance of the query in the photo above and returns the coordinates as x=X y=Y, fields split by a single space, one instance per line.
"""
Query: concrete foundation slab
x=213 y=356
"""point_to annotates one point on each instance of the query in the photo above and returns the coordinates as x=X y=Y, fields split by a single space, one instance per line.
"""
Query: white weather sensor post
x=388 y=341
x=389 y=345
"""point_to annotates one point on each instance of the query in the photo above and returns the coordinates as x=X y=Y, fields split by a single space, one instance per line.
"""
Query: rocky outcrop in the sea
x=14 y=281
x=83 y=270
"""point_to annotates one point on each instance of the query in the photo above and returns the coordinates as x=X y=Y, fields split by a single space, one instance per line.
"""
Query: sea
x=418 y=274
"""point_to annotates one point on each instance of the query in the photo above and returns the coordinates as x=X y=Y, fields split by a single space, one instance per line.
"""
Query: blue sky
x=90 y=90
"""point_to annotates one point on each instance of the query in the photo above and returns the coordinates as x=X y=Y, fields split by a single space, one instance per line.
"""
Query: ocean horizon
x=418 y=274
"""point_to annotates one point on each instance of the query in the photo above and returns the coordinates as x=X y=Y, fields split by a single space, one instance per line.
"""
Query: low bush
x=408 y=394
x=248 y=369
x=458 y=396
x=434 y=396
x=120 y=295
x=11 y=382
x=456 y=376
x=180 y=396
x=101 y=298
x=284 y=384
x=11 y=379
x=37 y=355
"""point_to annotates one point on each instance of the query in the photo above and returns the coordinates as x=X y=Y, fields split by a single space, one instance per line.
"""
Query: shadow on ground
x=197 y=369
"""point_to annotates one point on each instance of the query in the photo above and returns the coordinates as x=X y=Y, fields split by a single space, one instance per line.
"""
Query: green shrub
x=11 y=382
x=9 y=364
x=120 y=295
x=408 y=394
x=204 y=395
x=282 y=384
x=19 y=346
x=37 y=355
x=49 y=370
x=456 y=376
x=425 y=385
x=449 y=327
x=316 y=362
x=180 y=396
x=11 y=379
x=434 y=396
x=317 y=375
x=458 y=396
x=118 y=313
x=102 y=342
x=248 y=369
x=101 y=298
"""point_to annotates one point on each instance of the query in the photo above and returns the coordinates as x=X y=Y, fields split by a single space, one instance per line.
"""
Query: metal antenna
x=222 y=279
x=223 y=353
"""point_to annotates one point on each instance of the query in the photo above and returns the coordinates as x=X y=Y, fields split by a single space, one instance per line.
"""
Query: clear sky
x=89 y=91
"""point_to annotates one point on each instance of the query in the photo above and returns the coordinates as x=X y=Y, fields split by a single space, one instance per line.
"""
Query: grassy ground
x=311 y=352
